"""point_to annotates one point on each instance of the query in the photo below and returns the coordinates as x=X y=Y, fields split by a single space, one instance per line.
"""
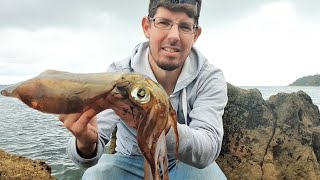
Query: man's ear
x=146 y=26
x=197 y=34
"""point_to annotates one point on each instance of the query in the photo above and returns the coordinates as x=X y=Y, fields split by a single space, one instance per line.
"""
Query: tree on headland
x=312 y=80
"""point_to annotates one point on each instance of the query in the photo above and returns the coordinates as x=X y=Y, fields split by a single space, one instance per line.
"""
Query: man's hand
x=84 y=127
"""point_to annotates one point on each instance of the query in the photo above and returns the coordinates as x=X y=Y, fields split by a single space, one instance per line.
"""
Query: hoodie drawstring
x=184 y=105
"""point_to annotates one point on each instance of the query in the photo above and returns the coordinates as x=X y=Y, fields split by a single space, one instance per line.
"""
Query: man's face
x=169 y=48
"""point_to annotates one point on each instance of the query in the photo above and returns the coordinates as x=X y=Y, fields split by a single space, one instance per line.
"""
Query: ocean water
x=267 y=91
x=40 y=136
x=36 y=135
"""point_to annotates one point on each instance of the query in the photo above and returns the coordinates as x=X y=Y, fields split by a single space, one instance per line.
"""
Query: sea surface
x=40 y=136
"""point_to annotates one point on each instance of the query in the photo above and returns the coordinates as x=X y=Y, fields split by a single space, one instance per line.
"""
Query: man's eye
x=186 y=28
x=164 y=23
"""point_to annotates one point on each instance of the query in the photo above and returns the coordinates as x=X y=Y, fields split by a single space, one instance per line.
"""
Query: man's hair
x=190 y=7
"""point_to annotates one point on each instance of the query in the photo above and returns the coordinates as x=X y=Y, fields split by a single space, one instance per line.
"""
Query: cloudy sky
x=255 y=43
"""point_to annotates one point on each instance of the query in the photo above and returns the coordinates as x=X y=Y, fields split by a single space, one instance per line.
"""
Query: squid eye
x=140 y=95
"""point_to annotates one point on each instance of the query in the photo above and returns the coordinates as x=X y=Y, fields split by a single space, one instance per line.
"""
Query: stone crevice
x=269 y=142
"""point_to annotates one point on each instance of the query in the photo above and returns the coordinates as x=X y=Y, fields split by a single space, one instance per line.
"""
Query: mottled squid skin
x=61 y=92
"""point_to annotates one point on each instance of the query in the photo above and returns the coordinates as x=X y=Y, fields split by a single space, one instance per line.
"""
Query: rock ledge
x=15 y=167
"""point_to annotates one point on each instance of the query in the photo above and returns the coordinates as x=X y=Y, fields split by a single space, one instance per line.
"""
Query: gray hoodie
x=200 y=95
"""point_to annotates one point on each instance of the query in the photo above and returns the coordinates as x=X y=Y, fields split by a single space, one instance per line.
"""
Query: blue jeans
x=121 y=167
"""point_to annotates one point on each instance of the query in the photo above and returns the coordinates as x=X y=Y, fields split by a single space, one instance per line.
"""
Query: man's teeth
x=170 y=49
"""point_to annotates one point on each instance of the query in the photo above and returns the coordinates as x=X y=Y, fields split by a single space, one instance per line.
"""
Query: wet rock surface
x=15 y=167
x=274 y=139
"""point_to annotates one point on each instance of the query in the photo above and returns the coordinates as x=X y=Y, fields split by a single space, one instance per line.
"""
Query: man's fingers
x=69 y=119
x=62 y=117
x=85 y=118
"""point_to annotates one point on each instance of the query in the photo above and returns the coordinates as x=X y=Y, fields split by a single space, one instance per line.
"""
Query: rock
x=274 y=139
x=17 y=167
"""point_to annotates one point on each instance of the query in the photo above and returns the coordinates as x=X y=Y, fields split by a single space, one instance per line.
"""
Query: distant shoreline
x=311 y=80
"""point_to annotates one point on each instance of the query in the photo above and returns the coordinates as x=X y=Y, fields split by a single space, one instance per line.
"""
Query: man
x=197 y=91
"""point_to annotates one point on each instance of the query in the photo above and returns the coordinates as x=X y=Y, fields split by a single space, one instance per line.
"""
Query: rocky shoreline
x=16 y=167
x=278 y=138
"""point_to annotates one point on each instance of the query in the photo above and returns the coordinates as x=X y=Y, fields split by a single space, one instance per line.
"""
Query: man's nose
x=174 y=33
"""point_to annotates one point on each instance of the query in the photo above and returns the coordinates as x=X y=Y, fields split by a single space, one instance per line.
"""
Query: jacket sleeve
x=200 y=142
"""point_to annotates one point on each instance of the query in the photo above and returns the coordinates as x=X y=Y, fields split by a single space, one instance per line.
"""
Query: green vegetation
x=307 y=81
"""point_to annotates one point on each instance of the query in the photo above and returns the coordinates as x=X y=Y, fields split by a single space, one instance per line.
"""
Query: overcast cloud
x=255 y=42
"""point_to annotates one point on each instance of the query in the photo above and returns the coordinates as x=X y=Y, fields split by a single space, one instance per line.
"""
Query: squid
x=59 y=92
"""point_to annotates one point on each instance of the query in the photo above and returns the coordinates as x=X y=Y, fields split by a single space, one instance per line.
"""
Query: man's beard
x=166 y=66
x=163 y=65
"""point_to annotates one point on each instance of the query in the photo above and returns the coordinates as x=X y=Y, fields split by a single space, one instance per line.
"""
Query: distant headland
x=312 y=80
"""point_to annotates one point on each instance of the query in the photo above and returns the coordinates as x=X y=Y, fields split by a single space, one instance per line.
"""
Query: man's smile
x=171 y=50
